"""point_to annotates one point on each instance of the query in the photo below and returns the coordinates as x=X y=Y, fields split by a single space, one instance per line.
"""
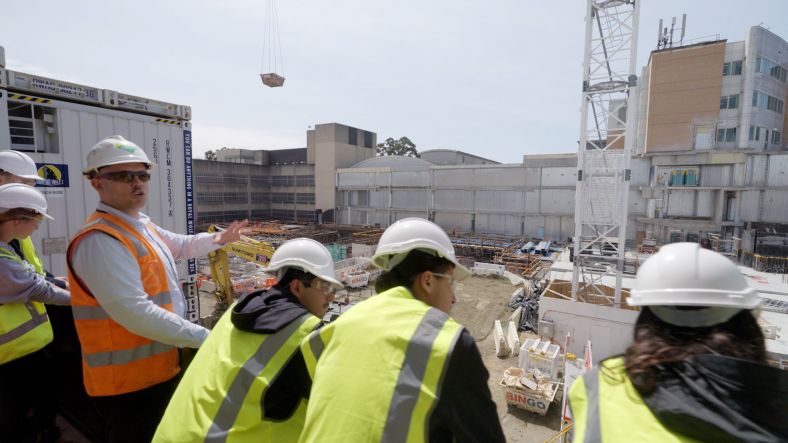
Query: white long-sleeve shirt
x=112 y=275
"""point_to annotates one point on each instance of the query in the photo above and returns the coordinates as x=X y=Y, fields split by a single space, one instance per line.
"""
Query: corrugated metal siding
x=499 y=201
x=637 y=204
x=558 y=201
x=681 y=203
x=451 y=178
x=756 y=170
x=356 y=179
x=411 y=199
x=410 y=178
x=715 y=175
x=749 y=205
x=453 y=199
x=497 y=177
x=775 y=206
x=563 y=176
x=778 y=171
x=641 y=168
x=705 y=204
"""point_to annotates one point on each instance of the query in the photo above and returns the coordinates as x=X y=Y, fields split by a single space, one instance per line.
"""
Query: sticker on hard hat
x=127 y=148
x=52 y=175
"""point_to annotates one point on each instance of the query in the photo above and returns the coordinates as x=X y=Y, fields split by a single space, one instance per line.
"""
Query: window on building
x=281 y=197
x=367 y=139
x=729 y=102
x=305 y=198
x=765 y=101
x=282 y=180
x=258 y=181
x=32 y=128
x=776 y=137
x=683 y=177
x=774 y=104
x=766 y=66
x=352 y=136
x=305 y=180
x=726 y=135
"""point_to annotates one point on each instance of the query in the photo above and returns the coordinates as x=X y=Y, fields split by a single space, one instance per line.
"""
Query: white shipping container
x=57 y=123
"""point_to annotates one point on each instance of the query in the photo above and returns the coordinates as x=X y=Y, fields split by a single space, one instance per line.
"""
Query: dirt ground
x=480 y=301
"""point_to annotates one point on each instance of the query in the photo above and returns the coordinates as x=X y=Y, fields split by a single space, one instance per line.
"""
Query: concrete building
x=443 y=157
x=287 y=185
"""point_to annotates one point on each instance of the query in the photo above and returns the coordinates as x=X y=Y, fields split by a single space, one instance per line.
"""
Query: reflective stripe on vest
x=222 y=391
x=29 y=254
x=607 y=407
x=407 y=356
x=115 y=360
x=24 y=327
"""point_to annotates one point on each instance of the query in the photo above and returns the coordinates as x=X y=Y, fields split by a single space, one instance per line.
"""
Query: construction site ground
x=480 y=301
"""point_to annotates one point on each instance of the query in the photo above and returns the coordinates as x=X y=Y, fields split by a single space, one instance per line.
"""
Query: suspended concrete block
x=272 y=80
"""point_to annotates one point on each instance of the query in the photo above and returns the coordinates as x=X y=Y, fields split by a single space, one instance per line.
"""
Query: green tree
x=403 y=147
x=210 y=155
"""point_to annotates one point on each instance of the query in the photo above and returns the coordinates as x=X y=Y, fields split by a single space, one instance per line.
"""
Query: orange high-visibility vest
x=115 y=360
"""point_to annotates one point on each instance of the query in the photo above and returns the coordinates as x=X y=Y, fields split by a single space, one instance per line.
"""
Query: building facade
x=285 y=185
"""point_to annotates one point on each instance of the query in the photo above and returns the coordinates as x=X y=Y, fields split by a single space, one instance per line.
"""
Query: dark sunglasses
x=126 y=176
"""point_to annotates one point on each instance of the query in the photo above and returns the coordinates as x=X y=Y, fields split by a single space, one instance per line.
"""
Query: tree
x=210 y=155
x=403 y=147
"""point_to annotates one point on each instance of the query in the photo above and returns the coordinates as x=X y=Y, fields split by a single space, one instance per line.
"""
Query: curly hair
x=657 y=343
x=405 y=273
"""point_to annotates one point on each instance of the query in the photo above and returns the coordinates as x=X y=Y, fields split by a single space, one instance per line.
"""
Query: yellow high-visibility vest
x=24 y=327
x=221 y=393
x=377 y=371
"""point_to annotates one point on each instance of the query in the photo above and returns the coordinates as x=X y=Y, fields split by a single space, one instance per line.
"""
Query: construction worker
x=397 y=367
x=695 y=370
x=26 y=380
x=127 y=301
x=248 y=381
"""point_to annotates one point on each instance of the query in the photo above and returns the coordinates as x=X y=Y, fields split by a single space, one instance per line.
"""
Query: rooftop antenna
x=665 y=35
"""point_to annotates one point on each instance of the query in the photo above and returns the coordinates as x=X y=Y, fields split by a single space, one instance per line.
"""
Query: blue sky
x=497 y=79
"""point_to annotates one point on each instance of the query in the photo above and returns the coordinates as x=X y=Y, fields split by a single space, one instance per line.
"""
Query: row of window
x=729 y=101
x=766 y=66
x=290 y=197
x=275 y=180
x=726 y=135
x=758 y=133
x=731 y=68
x=256 y=197
x=765 y=101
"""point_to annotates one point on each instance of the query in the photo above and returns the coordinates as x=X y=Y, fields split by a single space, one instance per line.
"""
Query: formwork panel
x=453 y=199
x=410 y=199
x=498 y=177
x=681 y=203
x=557 y=201
x=410 y=178
x=750 y=206
x=503 y=201
x=715 y=175
x=559 y=176
x=778 y=171
x=451 y=178
x=775 y=206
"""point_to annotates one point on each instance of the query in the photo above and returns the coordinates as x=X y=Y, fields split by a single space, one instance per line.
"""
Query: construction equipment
x=249 y=249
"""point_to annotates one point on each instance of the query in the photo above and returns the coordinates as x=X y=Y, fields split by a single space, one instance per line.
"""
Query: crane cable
x=271 y=39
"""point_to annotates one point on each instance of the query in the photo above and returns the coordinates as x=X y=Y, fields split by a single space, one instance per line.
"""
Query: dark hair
x=295 y=274
x=405 y=273
x=657 y=343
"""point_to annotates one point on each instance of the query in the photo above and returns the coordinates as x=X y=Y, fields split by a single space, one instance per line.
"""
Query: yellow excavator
x=249 y=249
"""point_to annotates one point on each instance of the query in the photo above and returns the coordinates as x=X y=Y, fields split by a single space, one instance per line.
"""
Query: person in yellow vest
x=26 y=380
x=248 y=381
x=696 y=369
x=127 y=302
x=397 y=366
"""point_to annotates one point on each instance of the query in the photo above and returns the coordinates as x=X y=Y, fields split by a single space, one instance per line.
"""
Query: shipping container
x=57 y=122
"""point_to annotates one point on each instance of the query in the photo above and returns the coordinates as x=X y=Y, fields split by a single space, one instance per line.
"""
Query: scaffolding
x=607 y=133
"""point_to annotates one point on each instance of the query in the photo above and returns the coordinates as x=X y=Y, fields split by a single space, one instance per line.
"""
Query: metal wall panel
x=381 y=218
x=559 y=176
x=451 y=178
x=641 y=168
x=383 y=179
x=453 y=199
x=756 y=170
x=497 y=177
x=410 y=178
x=449 y=221
x=705 y=205
x=411 y=199
x=778 y=171
x=356 y=179
x=637 y=204
x=558 y=201
x=681 y=203
x=379 y=199
x=499 y=201
x=715 y=175
x=750 y=201
x=775 y=206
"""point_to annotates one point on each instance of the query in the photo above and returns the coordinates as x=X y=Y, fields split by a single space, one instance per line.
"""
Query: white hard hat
x=17 y=195
x=415 y=233
x=307 y=255
x=115 y=150
x=684 y=274
x=18 y=164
